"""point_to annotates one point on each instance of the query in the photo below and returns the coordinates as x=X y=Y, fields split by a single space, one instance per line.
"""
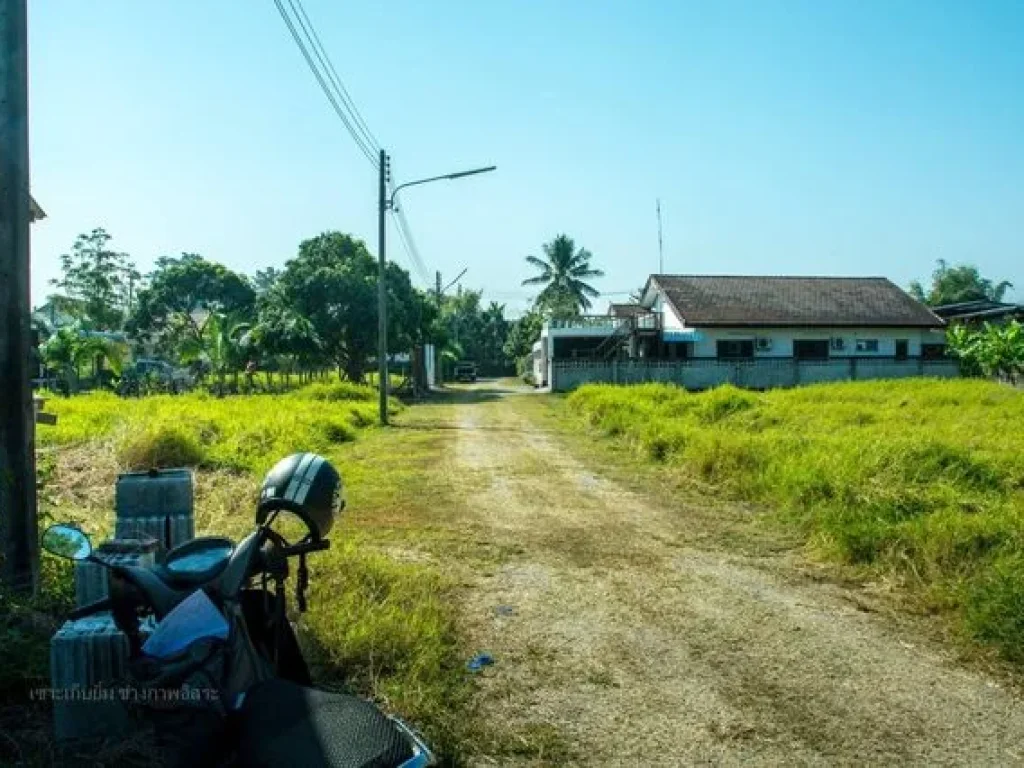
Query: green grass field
x=917 y=480
x=383 y=626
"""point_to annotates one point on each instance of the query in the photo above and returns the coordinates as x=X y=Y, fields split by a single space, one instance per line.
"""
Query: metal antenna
x=661 y=250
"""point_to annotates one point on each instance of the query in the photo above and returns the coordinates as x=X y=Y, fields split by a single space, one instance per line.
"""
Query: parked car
x=465 y=371
x=162 y=371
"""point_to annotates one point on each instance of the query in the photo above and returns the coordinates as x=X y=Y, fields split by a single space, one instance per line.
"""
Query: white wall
x=669 y=319
x=702 y=374
x=430 y=363
x=782 y=340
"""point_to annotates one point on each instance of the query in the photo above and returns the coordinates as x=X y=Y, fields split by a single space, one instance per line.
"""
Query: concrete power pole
x=19 y=551
x=382 y=292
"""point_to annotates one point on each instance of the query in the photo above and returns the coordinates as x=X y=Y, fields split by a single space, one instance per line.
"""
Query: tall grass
x=239 y=433
x=385 y=627
x=918 y=478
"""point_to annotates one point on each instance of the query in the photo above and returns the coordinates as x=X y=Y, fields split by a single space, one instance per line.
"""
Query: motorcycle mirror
x=67 y=541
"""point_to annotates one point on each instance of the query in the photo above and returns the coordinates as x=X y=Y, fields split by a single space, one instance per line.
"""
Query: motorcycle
x=213 y=655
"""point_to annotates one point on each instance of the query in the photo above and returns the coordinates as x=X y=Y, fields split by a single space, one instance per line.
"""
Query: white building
x=755 y=331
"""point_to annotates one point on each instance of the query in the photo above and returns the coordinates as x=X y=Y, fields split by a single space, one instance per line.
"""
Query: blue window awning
x=681 y=334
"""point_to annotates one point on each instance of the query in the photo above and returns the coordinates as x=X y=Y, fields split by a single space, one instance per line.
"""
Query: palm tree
x=563 y=273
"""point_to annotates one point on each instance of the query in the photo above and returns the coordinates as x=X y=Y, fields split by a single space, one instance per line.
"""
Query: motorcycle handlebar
x=306 y=548
x=88 y=610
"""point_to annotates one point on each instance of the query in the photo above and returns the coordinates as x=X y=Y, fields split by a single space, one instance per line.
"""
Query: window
x=676 y=350
x=810 y=349
x=729 y=349
x=867 y=345
x=902 y=349
x=933 y=351
x=838 y=344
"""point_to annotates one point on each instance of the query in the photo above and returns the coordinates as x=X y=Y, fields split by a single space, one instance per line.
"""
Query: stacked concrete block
x=88 y=665
x=89 y=657
x=158 y=504
x=91 y=578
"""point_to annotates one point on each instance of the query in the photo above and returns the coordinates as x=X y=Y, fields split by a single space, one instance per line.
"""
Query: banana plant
x=72 y=346
x=993 y=350
x=223 y=343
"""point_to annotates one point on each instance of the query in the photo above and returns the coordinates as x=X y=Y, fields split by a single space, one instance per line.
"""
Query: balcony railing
x=587 y=321
x=647 y=321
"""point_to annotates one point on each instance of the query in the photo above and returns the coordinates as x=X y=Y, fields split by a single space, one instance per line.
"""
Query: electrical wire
x=409 y=243
x=403 y=238
x=335 y=78
x=345 y=118
x=344 y=105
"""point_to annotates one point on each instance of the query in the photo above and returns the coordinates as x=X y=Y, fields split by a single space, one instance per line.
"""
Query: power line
x=335 y=78
x=344 y=105
x=405 y=231
x=360 y=142
x=409 y=246
x=409 y=243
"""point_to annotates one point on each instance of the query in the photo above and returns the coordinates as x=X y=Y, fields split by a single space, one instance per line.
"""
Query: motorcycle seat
x=281 y=723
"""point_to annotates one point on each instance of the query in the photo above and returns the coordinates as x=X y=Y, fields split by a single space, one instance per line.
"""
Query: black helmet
x=306 y=485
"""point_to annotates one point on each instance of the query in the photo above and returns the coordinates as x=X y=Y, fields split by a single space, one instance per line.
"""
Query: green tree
x=183 y=296
x=333 y=283
x=95 y=280
x=956 y=284
x=564 y=271
x=471 y=331
x=283 y=336
x=494 y=331
x=71 y=347
x=265 y=279
x=523 y=334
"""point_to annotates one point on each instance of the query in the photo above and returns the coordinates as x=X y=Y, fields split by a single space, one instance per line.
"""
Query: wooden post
x=19 y=550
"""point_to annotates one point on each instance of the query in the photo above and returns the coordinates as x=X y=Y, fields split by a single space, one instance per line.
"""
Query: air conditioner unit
x=838 y=345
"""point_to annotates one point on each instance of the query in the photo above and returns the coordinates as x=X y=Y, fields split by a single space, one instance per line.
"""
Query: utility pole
x=437 y=286
x=19 y=552
x=382 y=292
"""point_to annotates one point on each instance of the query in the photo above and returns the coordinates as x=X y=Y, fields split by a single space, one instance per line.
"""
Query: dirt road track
x=617 y=642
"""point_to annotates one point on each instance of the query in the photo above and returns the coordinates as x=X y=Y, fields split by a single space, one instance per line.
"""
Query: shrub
x=160 y=446
x=337 y=391
x=722 y=402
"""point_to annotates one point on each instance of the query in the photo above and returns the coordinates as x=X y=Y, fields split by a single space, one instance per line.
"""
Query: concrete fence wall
x=567 y=375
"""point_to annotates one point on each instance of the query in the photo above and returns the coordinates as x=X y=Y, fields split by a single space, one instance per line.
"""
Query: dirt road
x=619 y=641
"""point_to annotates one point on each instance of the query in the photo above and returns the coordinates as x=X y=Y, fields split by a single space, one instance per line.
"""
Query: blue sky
x=835 y=138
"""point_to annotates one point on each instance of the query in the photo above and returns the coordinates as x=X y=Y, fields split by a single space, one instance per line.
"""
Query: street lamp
x=388 y=203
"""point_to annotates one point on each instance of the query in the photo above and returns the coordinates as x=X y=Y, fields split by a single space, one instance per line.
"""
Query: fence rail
x=765 y=373
x=642 y=321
